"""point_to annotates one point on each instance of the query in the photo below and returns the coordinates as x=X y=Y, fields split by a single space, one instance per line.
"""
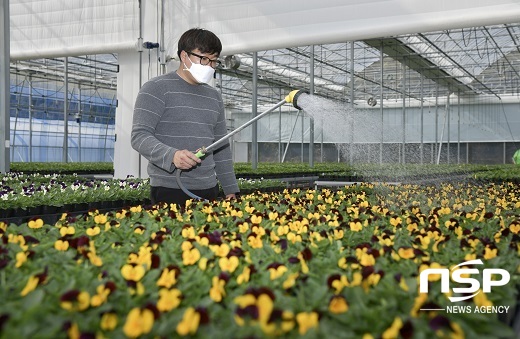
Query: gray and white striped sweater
x=171 y=114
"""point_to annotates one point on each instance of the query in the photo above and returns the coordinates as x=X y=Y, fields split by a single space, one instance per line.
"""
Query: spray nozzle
x=292 y=97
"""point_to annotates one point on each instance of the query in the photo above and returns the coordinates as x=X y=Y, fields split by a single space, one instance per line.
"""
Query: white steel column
x=351 y=115
x=65 y=157
x=4 y=88
x=311 y=122
x=126 y=159
x=30 y=120
x=403 y=118
x=135 y=70
x=381 y=58
x=254 y=126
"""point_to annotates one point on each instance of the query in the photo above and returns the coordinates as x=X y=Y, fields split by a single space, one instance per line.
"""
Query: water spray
x=291 y=98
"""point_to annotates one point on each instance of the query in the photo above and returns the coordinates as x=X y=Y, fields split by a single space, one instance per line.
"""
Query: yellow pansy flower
x=256 y=219
x=93 y=231
x=100 y=219
x=396 y=221
x=275 y=273
x=36 y=223
x=31 y=285
x=136 y=209
x=255 y=241
x=75 y=301
x=188 y=232
x=290 y=281
x=490 y=253
x=515 y=227
x=67 y=230
x=189 y=323
x=306 y=321
x=186 y=246
x=138 y=322
x=220 y=250
x=108 y=321
x=190 y=257
x=228 y=264
x=217 y=291
x=393 y=331
x=355 y=226
x=167 y=278
x=203 y=263
x=132 y=272
x=244 y=276
x=61 y=245
x=243 y=227
x=406 y=252
x=21 y=258
x=338 y=305
x=169 y=299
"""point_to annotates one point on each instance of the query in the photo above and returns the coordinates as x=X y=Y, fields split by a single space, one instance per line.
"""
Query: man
x=177 y=113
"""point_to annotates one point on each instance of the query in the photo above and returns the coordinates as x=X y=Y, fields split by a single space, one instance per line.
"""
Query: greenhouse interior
x=373 y=146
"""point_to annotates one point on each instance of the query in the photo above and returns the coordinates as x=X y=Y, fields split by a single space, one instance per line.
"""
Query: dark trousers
x=177 y=196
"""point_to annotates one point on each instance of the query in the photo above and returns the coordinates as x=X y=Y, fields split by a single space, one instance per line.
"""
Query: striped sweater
x=171 y=114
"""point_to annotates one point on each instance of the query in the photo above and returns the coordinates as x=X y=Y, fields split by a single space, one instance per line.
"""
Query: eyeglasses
x=207 y=61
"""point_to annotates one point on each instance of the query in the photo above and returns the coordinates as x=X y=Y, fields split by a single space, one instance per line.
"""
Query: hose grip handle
x=201 y=152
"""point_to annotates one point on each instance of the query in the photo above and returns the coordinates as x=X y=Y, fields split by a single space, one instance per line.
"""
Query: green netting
x=516 y=157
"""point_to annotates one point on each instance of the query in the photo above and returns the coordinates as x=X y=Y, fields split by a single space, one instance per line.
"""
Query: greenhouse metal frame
x=449 y=96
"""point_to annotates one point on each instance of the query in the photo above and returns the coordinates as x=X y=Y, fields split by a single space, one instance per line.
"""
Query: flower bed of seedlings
x=41 y=191
x=343 y=263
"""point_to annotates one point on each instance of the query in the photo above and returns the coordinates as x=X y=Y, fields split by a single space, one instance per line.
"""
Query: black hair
x=198 y=38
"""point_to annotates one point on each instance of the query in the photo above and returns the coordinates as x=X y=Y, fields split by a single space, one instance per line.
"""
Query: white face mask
x=201 y=73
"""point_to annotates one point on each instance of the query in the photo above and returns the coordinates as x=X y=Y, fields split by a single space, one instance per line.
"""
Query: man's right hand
x=184 y=159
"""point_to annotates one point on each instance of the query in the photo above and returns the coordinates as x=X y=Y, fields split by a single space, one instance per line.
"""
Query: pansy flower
x=257 y=304
x=393 y=331
x=168 y=299
x=217 y=291
x=490 y=253
x=33 y=282
x=307 y=321
x=93 y=231
x=406 y=252
x=356 y=225
x=100 y=219
x=75 y=300
x=191 y=256
x=138 y=322
x=133 y=272
x=35 y=223
x=338 y=304
x=229 y=264
x=67 y=230
x=191 y=320
x=102 y=294
x=246 y=274
x=221 y=250
x=515 y=226
x=108 y=321
x=276 y=270
x=169 y=276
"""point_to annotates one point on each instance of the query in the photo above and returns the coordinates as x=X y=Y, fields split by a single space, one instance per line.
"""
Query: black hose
x=182 y=187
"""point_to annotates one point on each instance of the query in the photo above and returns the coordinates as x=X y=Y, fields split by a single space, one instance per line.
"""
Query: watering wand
x=292 y=97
